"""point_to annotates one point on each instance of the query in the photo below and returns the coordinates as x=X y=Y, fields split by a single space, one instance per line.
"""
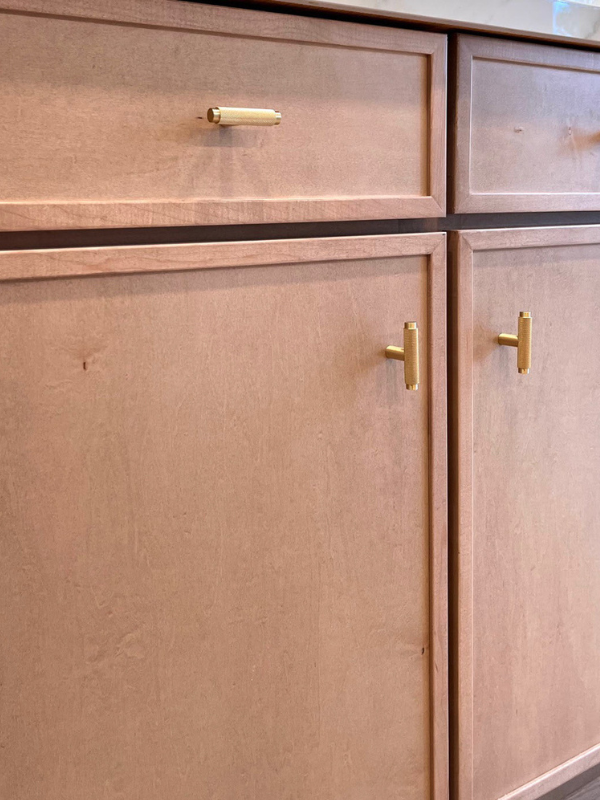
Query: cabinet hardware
x=522 y=341
x=222 y=115
x=409 y=354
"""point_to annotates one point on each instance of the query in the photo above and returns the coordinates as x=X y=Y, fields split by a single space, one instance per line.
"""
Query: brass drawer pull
x=409 y=354
x=222 y=115
x=522 y=341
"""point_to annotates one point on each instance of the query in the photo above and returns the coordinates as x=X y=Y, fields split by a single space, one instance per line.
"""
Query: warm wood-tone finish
x=223 y=523
x=101 y=123
x=525 y=463
x=62 y=263
x=527 y=132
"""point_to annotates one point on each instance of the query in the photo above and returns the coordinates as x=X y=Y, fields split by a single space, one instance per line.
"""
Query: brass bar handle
x=522 y=341
x=223 y=115
x=409 y=354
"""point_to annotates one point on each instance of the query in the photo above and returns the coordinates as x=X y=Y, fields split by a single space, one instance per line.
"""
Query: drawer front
x=223 y=522
x=105 y=121
x=527 y=132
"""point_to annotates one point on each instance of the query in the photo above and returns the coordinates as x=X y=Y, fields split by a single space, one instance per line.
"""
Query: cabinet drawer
x=527 y=132
x=224 y=522
x=105 y=120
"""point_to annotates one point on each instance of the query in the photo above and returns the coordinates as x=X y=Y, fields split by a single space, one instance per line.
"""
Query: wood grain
x=102 y=123
x=73 y=262
x=527 y=129
x=527 y=682
x=224 y=527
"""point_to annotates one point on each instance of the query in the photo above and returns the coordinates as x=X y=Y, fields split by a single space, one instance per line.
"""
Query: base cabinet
x=526 y=528
x=223 y=522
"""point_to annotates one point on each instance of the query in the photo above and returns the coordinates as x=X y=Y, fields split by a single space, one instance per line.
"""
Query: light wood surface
x=527 y=560
x=101 y=117
x=224 y=526
x=64 y=263
x=527 y=128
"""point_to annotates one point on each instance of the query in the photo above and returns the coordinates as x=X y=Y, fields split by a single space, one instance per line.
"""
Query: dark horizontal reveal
x=114 y=237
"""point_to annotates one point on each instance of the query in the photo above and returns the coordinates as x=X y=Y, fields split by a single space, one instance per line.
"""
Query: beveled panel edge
x=460 y=199
x=523 y=238
x=77 y=262
x=460 y=415
x=543 y=55
x=438 y=522
x=172 y=213
x=492 y=203
x=229 y=21
x=437 y=139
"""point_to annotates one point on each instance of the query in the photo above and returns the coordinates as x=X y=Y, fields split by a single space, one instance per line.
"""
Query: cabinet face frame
x=74 y=263
x=470 y=48
x=247 y=24
x=461 y=464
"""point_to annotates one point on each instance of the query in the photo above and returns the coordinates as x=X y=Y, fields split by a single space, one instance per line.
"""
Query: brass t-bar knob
x=522 y=341
x=225 y=115
x=409 y=354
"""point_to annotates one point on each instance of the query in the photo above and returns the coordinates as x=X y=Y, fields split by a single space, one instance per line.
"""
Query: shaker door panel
x=223 y=522
x=527 y=530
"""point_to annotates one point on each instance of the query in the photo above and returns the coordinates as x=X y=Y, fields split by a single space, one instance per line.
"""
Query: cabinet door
x=527 y=522
x=223 y=522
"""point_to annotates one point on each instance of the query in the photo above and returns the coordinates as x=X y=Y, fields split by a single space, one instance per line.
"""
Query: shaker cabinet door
x=526 y=474
x=223 y=522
